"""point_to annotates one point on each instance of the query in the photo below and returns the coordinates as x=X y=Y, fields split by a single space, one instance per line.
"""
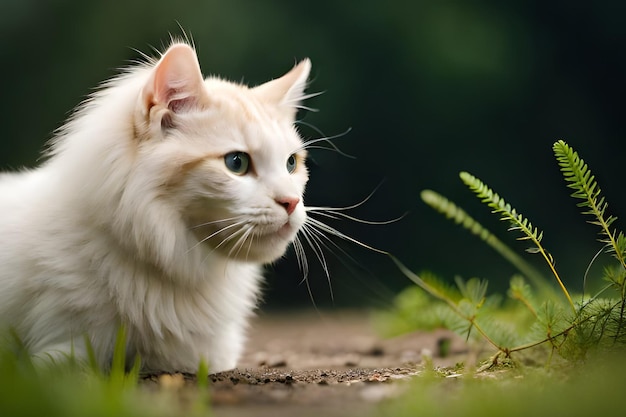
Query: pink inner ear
x=179 y=103
x=177 y=79
x=178 y=106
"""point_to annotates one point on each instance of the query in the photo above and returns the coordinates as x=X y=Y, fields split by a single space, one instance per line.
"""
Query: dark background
x=429 y=88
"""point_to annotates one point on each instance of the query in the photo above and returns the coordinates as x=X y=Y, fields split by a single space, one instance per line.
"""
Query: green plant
x=569 y=328
x=592 y=389
x=71 y=387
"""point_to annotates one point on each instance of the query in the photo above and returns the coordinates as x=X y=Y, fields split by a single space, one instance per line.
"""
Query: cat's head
x=227 y=158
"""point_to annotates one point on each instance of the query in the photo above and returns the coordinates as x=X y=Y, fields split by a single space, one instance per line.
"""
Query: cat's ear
x=176 y=81
x=287 y=92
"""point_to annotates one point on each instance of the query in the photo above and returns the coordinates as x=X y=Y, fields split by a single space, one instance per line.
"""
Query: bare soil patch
x=328 y=363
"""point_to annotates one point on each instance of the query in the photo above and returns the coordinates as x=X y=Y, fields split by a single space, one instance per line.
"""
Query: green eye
x=292 y=163
x=237 y=162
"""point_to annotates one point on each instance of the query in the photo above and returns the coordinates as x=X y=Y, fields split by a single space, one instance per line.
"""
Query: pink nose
x=289 y=203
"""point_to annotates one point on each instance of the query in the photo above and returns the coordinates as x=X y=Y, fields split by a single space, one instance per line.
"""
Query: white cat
x=160 y=201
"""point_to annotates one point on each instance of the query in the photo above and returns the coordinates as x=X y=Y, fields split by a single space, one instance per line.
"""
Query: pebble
x=171 y=381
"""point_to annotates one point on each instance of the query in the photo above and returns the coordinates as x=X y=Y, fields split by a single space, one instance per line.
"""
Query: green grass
x=69 y=388
x=593 y=389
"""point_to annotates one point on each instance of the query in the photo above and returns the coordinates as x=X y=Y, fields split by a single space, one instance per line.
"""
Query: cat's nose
x=289 y=203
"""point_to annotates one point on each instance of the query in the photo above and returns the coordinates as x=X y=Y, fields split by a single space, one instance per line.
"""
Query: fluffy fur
x=136 y=218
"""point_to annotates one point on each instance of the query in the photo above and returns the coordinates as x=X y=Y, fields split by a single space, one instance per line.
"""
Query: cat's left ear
x=287 y=92
x=176 y=81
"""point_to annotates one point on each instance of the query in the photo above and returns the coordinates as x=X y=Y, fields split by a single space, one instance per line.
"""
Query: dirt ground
x=322 y=363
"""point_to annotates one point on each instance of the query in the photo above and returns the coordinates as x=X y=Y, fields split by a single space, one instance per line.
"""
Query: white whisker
x=242 y=235
x=223 y=229
x=316 y=245
x=312 y=238
x=336 y=215
x=336 y=212
x=250 y=242
x=328 y=229
x=237 y=234
x=316 y=129
x=321 y=235
x=215 y=222
x=318 y=235
x=301 y=257
x=217 y=232
x=303 y=264
x=297 y=101
x=350 y=207
x=328 y=139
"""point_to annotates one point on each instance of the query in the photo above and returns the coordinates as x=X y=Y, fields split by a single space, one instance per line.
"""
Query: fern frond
x=473 y=290
x=441 y=288
x=518 y=222
x=460 y=217
x=456 y=306
x=615 y=274
x=413 y=309
x=520 y=291
x=580 y=179
x=502 y=331
x=552 y=323
x=504 y=209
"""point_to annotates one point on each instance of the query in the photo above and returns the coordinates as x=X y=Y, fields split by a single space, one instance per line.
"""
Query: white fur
x=120 y=225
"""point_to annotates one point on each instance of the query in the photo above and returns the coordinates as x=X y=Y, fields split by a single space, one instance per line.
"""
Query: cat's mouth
x=261 y=240
x=284 y=231
x=265 y=243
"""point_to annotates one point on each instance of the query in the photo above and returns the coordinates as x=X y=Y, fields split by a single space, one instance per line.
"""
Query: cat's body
x=158 y=205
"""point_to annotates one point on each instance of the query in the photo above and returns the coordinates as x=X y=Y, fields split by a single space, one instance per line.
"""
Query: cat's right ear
x=287 y=92
x=175 y=84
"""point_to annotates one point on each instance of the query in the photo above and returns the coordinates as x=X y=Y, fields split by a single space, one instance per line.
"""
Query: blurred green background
x=428 y=87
